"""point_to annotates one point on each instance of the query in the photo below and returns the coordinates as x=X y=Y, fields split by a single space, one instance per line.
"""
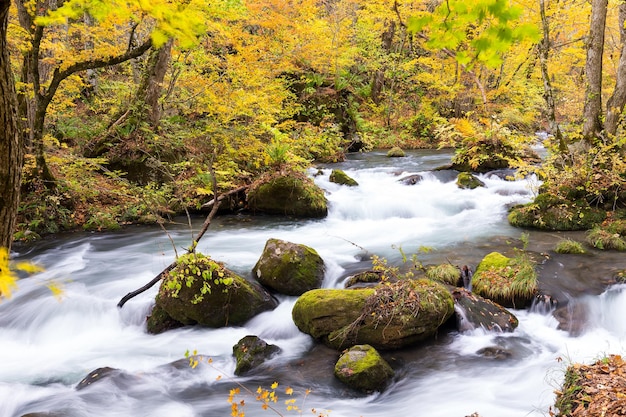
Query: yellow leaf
x=289 y=391
x=274 y=385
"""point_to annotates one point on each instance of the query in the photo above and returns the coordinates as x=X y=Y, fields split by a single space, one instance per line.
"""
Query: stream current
x=48 y=344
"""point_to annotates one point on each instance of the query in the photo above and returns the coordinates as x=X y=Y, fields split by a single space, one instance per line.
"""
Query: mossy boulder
x=474 y=311
x=465 y=180
x=339 y=177
x=361 y=367
x=290 y=194
x=549 y=212
x=395 y=152
x=251 y=352
x=510 y=282
x=200 y=291
x=389 y=316
x=289 y=268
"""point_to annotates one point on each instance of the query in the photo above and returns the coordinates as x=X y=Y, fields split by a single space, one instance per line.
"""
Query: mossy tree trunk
x=11 y=149
x=615 y=104
x=592 y=111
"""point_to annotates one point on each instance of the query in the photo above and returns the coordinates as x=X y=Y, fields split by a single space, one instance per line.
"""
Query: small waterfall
x=463 y=324
x=543 y=304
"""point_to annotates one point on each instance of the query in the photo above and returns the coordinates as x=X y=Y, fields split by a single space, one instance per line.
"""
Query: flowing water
x=48 y=344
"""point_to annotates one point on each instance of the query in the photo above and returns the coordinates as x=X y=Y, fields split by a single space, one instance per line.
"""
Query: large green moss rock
x=388 y=316
x=465 y=180
x=361 y=367
x=289 y=194
x=289 y=268
x=203 y=292
x=550 y=212
x=510 y=282
x=339 y=177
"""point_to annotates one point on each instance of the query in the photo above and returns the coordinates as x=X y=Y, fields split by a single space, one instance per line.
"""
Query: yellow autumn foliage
x=8 y=278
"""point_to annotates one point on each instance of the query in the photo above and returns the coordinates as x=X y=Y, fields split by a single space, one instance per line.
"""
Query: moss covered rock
x=466 y=180
x=361 y=367
x=250 y=352
x=395 y=152
x=291 y=194
x=388 y=316
x=201 y=291
x=609 y=236
x=289 y=268
x=364 y=279
x=339 y=177
x=510 y=282
x=549 y=212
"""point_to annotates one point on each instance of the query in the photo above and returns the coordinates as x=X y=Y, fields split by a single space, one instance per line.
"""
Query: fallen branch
x=223 y=196
x=171 y=266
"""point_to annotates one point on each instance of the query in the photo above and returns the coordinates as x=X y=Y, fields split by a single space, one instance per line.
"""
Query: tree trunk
x=11 y=151
x=151 y=86
x=592 y=111
x=548 y=92
x=615 y=104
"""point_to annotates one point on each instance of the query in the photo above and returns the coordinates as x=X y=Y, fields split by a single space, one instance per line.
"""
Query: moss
x=395 y=152
x=466 y=180
x=290 y=194
x=339 y=177
x=444 y=273
x=511 y=282
x=549 y=212
x=603 y=239
x=569 y=246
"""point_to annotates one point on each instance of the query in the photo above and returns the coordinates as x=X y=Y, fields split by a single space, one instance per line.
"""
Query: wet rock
x=159 y=321
x=495 y=352
x=290 y=194
x=572 y=317
x=97 y=375
x=200 y=291
x=251 y=352
x=473 y=311
x=411 y=179
x=289 y=268
x=466 y=180
x=361 y=367
x=388 y=316
x=339 y=177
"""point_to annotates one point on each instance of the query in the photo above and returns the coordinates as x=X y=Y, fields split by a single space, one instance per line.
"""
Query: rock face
x=466 y=180
x=250 y=352
x=289 y=268
x=201 y=291
x=339 y=177
x=289 y=194
x=510 y=282
x=473 y=311
x=388 y=316
x=361 y=367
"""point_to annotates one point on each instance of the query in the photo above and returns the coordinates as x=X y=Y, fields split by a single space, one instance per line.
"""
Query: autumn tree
x=55 y=51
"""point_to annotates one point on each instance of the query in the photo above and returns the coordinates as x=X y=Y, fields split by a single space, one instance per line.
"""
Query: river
x=49 y=343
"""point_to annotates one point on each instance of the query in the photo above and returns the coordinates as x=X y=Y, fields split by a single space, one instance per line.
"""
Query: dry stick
x=171 y=266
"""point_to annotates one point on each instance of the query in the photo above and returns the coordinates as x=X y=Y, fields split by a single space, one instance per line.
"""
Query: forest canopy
x=133 y=111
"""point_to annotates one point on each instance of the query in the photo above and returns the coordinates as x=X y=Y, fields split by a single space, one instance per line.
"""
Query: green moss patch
x=511 y=282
